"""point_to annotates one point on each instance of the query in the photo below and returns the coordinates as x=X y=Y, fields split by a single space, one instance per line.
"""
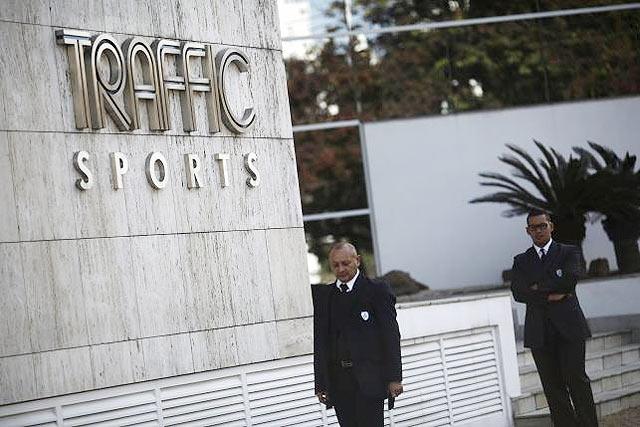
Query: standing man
x=544 y=278
x=356 y=343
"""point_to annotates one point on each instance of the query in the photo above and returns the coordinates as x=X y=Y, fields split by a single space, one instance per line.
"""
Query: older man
x=544 y=278
x=357 y=343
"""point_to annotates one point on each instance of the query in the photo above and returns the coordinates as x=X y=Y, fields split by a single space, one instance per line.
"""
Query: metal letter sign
x=139 y=72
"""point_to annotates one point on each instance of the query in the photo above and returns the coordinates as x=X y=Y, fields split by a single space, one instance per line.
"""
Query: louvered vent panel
x=123 y=410
x=44 y=417
x=425 y=400
x=447 y=378
x=283 y=397
x=214 y=402
x=472 y=374
x=332 y=419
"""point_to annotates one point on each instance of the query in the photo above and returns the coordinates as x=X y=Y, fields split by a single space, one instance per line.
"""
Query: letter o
x=156 y=181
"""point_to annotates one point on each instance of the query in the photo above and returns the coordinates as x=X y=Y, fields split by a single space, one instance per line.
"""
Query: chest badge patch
x=364 y=315
x=559 y=273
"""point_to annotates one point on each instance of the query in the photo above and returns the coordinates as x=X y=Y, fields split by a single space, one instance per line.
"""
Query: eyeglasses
x=538 y=227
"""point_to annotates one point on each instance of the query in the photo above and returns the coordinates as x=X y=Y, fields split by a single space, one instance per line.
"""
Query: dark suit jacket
x=374 y=343
x=557 y=274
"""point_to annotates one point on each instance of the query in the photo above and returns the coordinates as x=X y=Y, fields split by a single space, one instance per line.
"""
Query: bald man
x=356 y=343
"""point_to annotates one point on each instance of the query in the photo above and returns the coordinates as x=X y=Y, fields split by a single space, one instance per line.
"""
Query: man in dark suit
x=544 y=278
x=356 y=343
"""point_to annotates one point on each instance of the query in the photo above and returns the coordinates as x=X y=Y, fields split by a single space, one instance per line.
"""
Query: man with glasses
x=544 y=277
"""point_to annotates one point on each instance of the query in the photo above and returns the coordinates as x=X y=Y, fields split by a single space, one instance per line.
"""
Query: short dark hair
x=538 y=212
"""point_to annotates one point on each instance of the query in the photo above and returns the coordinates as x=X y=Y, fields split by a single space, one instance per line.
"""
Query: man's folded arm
x=523 y=290
x=563 y=280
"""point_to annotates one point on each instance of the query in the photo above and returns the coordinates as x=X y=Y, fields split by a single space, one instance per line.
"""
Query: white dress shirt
x=545 y=247
x=349 y=283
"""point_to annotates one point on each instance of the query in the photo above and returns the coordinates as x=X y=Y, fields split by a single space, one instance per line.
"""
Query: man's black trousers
x=561 y=367
x=352 y=407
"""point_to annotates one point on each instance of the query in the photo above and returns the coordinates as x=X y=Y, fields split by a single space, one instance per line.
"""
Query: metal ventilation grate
x=125 y=410
x=453 y=378
x=216 y=402
x=472 y=374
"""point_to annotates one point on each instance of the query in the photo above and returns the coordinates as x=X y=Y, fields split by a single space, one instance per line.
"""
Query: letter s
x=249 y=164
x=85 y=181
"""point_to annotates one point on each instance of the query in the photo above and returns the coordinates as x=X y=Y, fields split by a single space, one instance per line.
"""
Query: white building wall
x=423 y=172
x=459 y=368
x=108 y=287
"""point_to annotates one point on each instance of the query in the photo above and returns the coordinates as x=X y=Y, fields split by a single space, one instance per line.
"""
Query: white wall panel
x=290 y=282
x=117 y=363
x=44 y=186
x=54 y=294
x=63 y=371
x=280 y=184
x=106 y=287
x=449 y=376
x=18 y=379
x=207 y=287
x=48 y=205
x=295 y=337
x=159 y=283
x=100 y=211
x=167 y=356
x=124 y=17
x=150 y=210
x=29 y=11
x=214 y=349
x=423 y=172
x=262 y=14
x=244 y=259
x=78 y=14
x=211 y=206
x=14 y=317
x=8 y=220
x=257 y=342
x=30 y=95
x=106 y=267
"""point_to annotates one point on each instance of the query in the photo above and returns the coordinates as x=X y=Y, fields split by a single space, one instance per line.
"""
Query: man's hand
x=323 y=397
x=395 y=389
x=555 y=297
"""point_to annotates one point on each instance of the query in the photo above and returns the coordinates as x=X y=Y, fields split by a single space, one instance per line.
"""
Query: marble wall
x=106 y=287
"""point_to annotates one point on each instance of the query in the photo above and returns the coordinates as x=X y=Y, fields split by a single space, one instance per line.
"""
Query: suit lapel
x=357 y=284
x=358 y=289
x=532 y=256
x=554 y=251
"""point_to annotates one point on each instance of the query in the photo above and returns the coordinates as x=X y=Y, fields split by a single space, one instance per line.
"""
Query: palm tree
x=617 y=197
x=559 y=188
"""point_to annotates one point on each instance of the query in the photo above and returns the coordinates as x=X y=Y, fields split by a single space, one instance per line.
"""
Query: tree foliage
x=417 y=73
x=429 y=72
x=616 y=186
x=557 y=185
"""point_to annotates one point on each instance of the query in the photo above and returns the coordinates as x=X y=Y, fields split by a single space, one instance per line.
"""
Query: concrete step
x=602 y=381
x=597 y=343
x=607 y=402
x=539 y=420
x=595 y=362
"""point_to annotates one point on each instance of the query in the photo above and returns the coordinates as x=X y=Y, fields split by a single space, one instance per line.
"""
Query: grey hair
x=343 y=245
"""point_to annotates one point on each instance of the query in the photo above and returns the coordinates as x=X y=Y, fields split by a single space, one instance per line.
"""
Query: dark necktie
x=542 y=255
x=344 y=288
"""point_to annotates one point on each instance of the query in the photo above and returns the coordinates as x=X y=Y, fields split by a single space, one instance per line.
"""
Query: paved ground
x=627 y=418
